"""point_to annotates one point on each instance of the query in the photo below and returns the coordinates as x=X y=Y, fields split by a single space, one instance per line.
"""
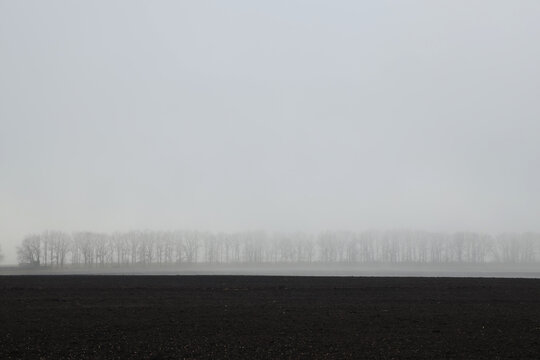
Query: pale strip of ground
x=408 y=270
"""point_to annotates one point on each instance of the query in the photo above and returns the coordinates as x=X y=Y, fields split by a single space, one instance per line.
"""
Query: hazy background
x=277 y=115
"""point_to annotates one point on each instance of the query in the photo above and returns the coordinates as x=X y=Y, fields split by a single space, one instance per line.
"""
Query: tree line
x=92 y=249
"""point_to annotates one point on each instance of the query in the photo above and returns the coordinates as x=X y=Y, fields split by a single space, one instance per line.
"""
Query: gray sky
x=278 y=115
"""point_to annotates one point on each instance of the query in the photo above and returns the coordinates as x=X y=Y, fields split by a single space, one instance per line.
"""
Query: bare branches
x=143 y=248
x=30 y=250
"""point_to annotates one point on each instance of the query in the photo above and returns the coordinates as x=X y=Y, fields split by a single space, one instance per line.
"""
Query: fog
x=279 y=116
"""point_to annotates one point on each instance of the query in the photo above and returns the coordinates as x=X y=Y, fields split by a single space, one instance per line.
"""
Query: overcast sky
x=277 y=115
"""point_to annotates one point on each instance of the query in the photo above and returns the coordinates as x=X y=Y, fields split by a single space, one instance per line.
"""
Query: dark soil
x=162 y=317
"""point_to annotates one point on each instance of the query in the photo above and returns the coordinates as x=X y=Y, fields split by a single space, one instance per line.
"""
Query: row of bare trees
x=91 y=249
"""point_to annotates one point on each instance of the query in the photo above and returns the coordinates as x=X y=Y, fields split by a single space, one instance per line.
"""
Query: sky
x=280 y=115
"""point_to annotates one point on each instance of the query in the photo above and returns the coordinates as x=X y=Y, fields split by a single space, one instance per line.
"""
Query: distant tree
x=120 y=245
x=30 y=250
x=56 y=245
x=89 y=249
x=168 y=247
x=85 y=244
x=62 y=246
x=101 y=248
x=191 y=246
x=159 y=247
x=309 y=248
x=351 y=249
x=146 y=247
x=212 y=247
x=327 y=245
x=1 y=254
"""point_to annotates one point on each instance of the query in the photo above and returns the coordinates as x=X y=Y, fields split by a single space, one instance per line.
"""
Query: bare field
x=166 y=317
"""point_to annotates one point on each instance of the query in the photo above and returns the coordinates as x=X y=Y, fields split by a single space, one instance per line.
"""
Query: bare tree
x=191 y=246
x=168 y=247
x=62 y=245
x=211 y=248
x=101 y=248
x=30 y=250
x=400 y=246
x=85 y=243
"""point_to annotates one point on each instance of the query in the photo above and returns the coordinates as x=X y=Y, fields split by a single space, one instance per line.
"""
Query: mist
x=286 y=116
